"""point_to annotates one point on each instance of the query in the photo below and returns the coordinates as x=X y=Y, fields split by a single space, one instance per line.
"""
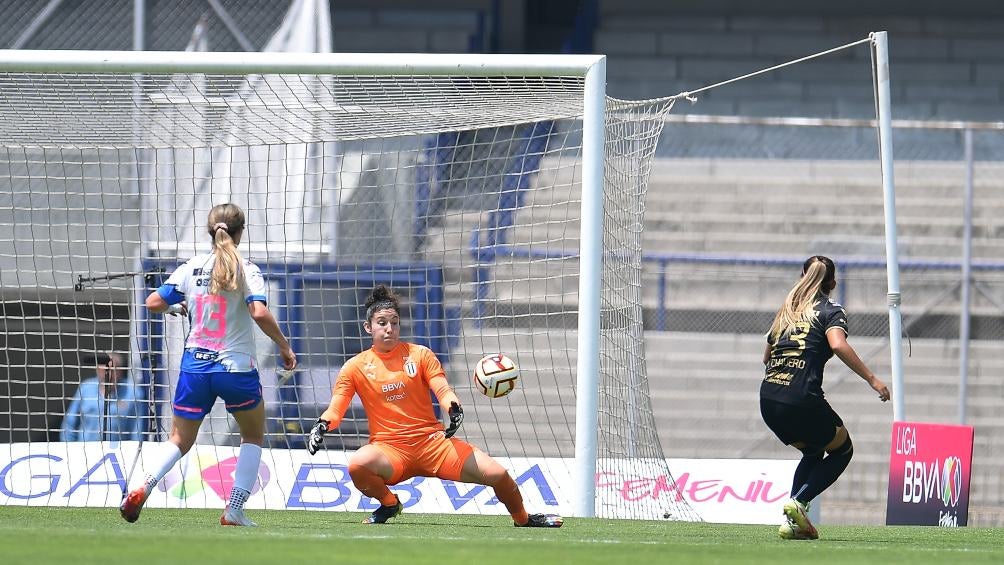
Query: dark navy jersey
x=795 y=369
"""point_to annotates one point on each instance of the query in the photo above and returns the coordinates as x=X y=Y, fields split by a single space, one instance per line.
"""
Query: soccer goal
x=501 y=196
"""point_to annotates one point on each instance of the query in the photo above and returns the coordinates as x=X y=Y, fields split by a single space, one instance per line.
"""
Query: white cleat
x=790 y=530
x=235 y=518
x=798 y=514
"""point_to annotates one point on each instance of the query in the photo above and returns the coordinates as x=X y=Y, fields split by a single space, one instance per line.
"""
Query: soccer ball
x=495 y=375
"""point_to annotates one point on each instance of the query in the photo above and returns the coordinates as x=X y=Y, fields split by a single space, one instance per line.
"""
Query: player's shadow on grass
x=443 y=523
x=410 y=520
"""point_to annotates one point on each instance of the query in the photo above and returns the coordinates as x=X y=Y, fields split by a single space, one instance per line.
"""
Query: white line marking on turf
x=473 y=538
x=600 y=541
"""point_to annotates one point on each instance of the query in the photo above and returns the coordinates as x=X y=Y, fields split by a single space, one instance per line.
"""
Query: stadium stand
x=944 y=62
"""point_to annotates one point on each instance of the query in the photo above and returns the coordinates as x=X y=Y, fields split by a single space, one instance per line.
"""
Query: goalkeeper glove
x=456 y=418
x=178 y=309
x=316 y=436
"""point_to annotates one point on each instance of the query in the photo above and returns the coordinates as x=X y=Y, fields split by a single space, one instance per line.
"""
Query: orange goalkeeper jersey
x=394 y=389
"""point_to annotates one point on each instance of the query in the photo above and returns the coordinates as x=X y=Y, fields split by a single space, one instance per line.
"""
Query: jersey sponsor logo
x=390 y=387
x=782 y=379
x=410 y=367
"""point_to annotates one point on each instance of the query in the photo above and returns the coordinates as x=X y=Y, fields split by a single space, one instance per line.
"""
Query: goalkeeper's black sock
x=371 y=484
x=826 y=473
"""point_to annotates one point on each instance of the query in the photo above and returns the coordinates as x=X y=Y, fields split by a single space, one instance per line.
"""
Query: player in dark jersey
x=808 y=329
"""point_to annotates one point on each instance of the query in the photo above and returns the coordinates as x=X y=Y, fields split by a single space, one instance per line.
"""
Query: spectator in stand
x=106 y=406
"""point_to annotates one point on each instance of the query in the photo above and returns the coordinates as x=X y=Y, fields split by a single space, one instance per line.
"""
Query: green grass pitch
x=39 y=535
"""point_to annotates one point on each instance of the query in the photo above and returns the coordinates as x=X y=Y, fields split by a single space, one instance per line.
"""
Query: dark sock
x=826 y=472
x=805 y=468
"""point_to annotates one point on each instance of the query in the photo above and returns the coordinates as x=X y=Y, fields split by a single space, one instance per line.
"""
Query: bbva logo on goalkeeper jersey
x=217 y=476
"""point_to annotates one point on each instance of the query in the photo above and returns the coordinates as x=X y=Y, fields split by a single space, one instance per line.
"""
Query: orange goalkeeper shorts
x=433 y=456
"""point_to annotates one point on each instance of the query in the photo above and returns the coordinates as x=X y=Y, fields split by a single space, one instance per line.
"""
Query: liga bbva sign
x=749 y=491
x=929 y=470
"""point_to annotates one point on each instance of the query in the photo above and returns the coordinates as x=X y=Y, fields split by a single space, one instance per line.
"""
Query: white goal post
x=525 y=152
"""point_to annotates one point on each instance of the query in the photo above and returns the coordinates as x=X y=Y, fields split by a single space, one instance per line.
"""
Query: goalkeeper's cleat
x=542 y=521
x=233 y=517
x=790 y=530
x=384 y=513
x=132 y=504
x=798 y=514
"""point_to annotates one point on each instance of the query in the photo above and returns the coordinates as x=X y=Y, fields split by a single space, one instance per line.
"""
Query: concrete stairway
x=663 y=47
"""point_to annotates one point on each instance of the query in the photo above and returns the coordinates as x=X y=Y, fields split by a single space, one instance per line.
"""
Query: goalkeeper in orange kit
x=393 y=379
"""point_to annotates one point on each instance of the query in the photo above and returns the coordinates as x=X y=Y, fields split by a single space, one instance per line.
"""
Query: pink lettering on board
x=686 y=487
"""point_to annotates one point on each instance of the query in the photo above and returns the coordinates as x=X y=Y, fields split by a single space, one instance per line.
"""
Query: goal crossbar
x=390 y=64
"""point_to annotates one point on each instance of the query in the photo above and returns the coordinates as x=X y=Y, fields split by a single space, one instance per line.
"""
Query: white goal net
x=461 y=191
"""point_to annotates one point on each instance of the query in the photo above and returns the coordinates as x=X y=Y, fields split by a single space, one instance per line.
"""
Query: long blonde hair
x=818 y=276
x=225 y=222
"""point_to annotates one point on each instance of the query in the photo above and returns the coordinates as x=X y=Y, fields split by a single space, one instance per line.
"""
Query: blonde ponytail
x=798 y=305
x=225 y=221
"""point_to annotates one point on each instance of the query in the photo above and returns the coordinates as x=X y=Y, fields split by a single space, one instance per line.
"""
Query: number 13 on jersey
x=209 y=321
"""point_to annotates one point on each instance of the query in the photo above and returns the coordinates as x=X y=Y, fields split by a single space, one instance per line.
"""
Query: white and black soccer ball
x=495 y=375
